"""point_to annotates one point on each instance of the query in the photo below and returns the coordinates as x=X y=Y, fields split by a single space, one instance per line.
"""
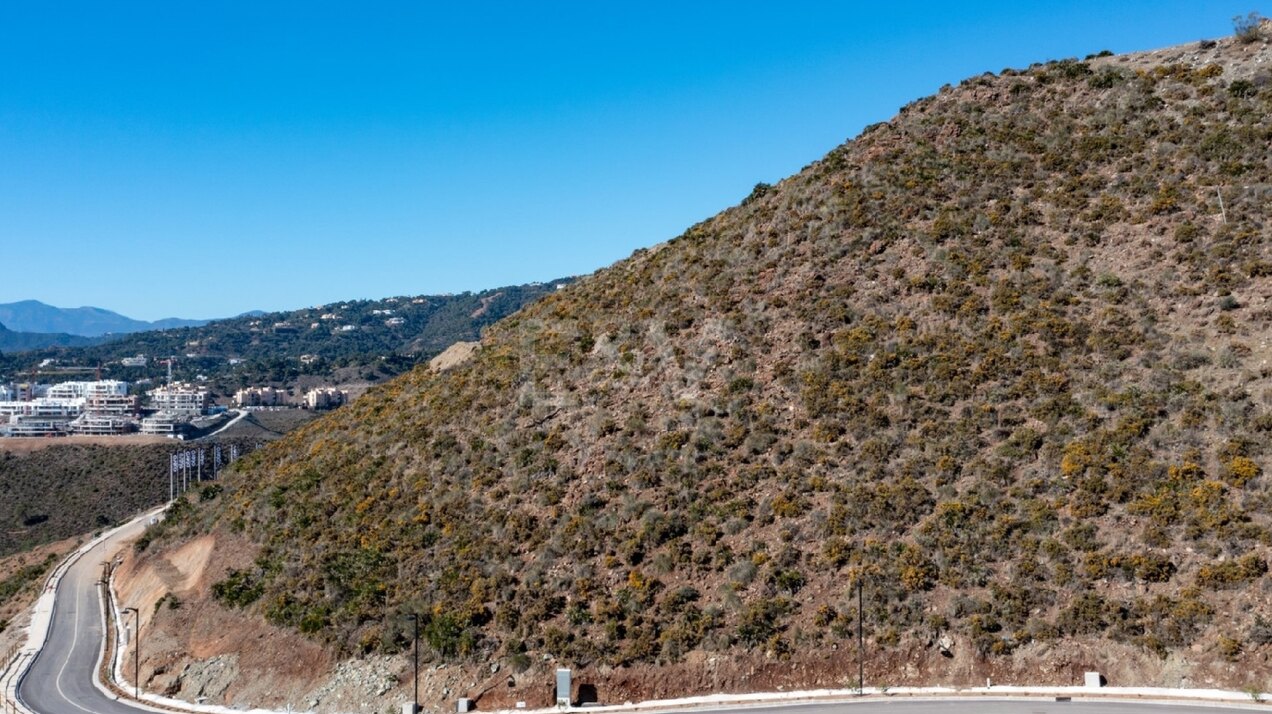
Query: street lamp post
x=861 y=639
x=415 y=698
x=136 y=653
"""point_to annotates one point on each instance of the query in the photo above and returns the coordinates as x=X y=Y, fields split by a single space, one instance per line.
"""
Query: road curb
x=767 y=700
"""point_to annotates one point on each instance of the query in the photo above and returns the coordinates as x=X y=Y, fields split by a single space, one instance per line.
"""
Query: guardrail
x=14 y=662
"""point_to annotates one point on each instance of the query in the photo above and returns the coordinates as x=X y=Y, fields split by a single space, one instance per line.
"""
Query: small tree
x=1248 y=28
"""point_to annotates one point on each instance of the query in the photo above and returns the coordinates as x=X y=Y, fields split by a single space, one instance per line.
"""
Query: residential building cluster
x=98 y=408
x=109 y=407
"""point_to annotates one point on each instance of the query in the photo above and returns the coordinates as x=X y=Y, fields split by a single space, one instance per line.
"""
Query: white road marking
x=69 y=653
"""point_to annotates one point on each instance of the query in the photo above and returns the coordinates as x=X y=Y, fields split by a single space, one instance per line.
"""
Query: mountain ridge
x=36 y=316
x=15 y=341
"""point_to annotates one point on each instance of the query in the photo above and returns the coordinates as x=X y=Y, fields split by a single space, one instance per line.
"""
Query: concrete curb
x=1215 y=698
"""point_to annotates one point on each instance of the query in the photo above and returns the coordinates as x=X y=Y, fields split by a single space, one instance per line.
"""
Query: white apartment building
x=80 y=390
x=111 y=405
x=19 y=425
x=162 y=424
x=260 y=397
x=181 y=399
x=326 y=398
x=91 y=425
x=43 y=408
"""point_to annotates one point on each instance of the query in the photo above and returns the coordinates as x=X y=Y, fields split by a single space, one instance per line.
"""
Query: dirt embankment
x=194 y=649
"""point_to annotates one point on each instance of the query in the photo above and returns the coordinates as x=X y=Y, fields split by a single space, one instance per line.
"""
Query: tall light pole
x=415 y=622
x=861 y=639
x=136 y=653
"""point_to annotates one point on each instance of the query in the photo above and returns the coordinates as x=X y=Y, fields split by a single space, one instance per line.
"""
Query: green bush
x=239 y=588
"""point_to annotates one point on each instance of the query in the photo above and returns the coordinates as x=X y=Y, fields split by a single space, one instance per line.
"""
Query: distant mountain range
x=11 y=341
x=355 y=340
x=35 y=316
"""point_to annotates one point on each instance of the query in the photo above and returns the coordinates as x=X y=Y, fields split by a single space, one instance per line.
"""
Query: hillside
x=343 y=342
x=1003 y=359
x=55 y=489
x=35 y=316
x=14 y=341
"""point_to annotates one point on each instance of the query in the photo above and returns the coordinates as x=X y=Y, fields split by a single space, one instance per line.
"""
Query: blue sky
x=204 y=159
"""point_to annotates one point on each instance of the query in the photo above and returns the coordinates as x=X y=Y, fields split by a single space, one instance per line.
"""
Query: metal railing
x=11 y=668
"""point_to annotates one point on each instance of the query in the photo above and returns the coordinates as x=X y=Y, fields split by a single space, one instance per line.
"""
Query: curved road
x=60 y=680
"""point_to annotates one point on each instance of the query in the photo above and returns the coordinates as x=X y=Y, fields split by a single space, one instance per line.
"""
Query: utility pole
x=136 y=653
x=861 y=639
x=415 y=699
x=1222 y=211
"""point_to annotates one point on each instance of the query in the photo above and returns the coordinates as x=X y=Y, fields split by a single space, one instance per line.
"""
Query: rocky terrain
x=1003 y=361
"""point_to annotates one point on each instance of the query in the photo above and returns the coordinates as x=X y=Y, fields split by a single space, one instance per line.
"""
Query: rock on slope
x=1003 y=359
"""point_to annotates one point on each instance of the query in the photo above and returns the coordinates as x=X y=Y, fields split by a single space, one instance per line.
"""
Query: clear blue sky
x=200 y=159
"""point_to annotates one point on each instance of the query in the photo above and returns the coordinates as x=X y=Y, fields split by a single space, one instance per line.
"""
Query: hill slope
x=13 y=341
x=354 y=340
x=35 y=316
x=1004 y=359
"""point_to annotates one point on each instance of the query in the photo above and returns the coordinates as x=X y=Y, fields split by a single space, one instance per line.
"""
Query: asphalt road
x=60 y=680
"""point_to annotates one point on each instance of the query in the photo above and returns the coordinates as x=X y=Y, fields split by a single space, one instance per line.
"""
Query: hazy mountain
x=12 y=341
x=35 y=316
x=1003 y=359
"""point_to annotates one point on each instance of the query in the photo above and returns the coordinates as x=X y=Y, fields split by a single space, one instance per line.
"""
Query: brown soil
x=25 y=445
x=181 y=624
x=455 y=355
